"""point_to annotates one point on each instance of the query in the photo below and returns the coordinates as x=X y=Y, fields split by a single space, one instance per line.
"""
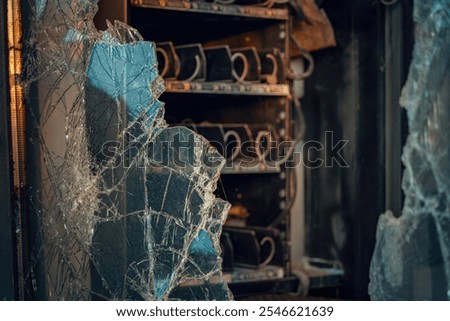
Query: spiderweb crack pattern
x=126 y=204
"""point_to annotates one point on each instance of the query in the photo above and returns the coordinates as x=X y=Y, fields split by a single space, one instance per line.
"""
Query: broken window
x=412 y=254
x=125 y=204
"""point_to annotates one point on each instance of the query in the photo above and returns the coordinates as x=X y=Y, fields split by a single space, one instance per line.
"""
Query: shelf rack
x=213 y=8
x=281 y=90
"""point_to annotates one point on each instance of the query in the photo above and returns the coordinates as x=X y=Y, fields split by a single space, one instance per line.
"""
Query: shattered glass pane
x=412 y=254
x=126 y=205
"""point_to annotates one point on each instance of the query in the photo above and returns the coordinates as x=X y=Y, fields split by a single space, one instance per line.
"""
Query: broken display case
x=240 y=114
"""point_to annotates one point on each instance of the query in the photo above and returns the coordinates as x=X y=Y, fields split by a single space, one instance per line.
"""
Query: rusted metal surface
x=214 y=8
x=315 y=31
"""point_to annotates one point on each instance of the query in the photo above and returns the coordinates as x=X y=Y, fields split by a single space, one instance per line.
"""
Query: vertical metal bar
x=393 y=85
x=6 y=230
x=17 y=114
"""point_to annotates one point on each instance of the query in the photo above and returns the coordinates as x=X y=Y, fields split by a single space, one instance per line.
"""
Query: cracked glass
x=411 y=260
x=125 y=204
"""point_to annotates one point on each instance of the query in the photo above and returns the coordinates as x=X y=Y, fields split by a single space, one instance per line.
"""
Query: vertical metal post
x=393 y=84
x=7 y=285
x=17 y=126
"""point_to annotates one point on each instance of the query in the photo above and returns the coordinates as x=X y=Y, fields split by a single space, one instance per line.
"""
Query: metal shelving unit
x=215 y=88
x=214 y=8
x=246 y=167
x=262 y=187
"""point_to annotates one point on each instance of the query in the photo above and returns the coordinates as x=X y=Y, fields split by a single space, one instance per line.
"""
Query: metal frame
x=395 y=75
x=7 y=279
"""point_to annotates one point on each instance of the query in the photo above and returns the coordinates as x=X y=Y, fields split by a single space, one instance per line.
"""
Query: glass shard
x=411 y=260
x=126 y=206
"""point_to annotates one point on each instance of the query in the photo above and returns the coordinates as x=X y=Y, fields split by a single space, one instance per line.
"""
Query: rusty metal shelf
x=257 y=287
x=246 y=167
x=216 y=9
x=227 y=88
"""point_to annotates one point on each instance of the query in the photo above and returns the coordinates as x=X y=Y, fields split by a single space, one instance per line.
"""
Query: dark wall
x=346 y=96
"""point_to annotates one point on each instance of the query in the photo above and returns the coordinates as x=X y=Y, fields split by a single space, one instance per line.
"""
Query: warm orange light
x=16 y=92
x=17 y=127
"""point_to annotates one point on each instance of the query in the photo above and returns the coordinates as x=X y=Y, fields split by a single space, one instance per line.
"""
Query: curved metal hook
x=198 y=66
x=242 y=77
x=272 y=250
x=307 y=56
x=166 y=61
x=260 y=135
x=237 y=149
x=272 y=78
